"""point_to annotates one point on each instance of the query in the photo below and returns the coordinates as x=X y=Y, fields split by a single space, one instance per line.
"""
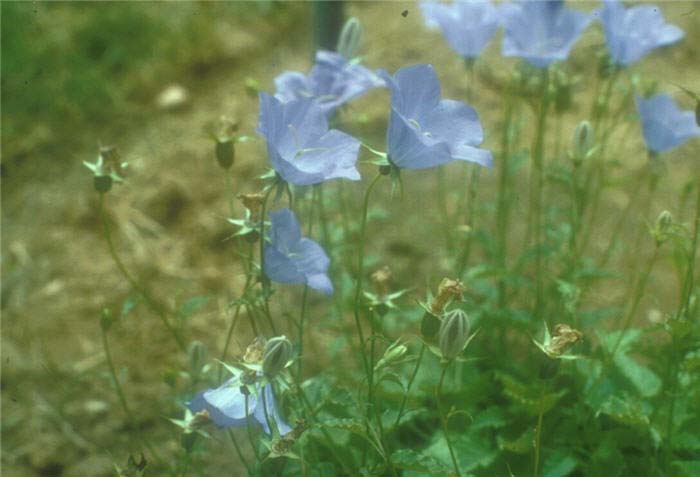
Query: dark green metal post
x=328 y=21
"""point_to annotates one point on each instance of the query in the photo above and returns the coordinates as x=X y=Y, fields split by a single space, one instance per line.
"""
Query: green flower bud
x=350 y=37
x=453 y=334
x=663 y=227
x=393 y=354
x=225 y=152
x=102 y=183
x=278 y=352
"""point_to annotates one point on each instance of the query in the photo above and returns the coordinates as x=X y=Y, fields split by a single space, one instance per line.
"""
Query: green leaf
x=625 y=411
x=408 y=459
x=687 y=468
x=644 y=380
x=351 y=425
x=559 y=464
x=193 y=305
x=490 y=418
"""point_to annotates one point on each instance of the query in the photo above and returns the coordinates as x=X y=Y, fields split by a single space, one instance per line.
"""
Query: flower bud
x=102 y=183
x=662 y=229
x=453 y=334
x=225 y=152
x=278 y=352
x=106 y=319
x=393 y=354
x=429 y=326
x=582 y=141
x=350 y=37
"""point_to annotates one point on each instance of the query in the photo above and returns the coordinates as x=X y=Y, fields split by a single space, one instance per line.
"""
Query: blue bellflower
x=631 y=33
x=291 y=258
x=226 y=406
x=541 y=32
x=664 y=124
x=468 y=26
x=426 y=131
x=300 y=146
x=332 y=82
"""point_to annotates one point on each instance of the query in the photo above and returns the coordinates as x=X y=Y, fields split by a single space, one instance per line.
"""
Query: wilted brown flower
x=252 y=202
x=254 y=352
x=447 y=291
x=381 y=279
x=563 y=337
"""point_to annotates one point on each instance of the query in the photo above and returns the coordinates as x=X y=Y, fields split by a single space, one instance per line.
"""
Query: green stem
x=538 y=434
x=150 y=301
x=410 y=383
x=360 y=274
x=122 y=399
x=537 y=194
x=444 y=209
x=443 y=418
x=637 y=297
x=237 y=447
x=265 y=281
x=688 y=283
x=249 y=431
x=471 y=217
x=302 y=318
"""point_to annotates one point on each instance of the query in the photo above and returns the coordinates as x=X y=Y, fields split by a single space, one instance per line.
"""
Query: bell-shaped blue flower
x=468 y=25
x=541 y=32
x=333 y=81
x=631 y=33
x=301 y=148
x=291 y=258
x=664 y=124
x=226 y=406
x=426 y=131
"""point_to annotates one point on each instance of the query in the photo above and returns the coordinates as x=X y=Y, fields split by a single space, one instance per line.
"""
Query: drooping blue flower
x=468 y=25
x=665 y=125
x=291 y=258
x=226 y=406
x=631 y=33
x=300 y=146
x=426 y=131
x=541 y=32
x=333 y=81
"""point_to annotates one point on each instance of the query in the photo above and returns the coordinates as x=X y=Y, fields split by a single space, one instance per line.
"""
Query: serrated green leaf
x=351 y=425
x=625 y=411
x=408 y=459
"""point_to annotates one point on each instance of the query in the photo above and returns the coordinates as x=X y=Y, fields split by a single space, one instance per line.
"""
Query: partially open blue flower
x=631 y=33
x=468 y=25
x=333 y=81
x=226 y=406
x=425 y=131
x=664 y=124
x=291 y=258
x=300 y=146
x=541 y=32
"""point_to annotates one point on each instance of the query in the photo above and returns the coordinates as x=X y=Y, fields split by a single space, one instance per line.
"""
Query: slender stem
x=150 y=301
x=360 y=273
x=537 y=193
x=122 y=398
x=503 y=202
x=471 y=217
x=688 y=283
x=300 y=339
x=636 y=299
x=229 y=190
x=410 y=383
x=237 y=447
x=538 y=434
x=249 y=429
x=443 y=418
x=444 y=209
x=672 y=375
x=263 y=278
x=309 y=409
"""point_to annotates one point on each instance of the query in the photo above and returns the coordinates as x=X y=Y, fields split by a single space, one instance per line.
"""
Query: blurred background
x=151 y=78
